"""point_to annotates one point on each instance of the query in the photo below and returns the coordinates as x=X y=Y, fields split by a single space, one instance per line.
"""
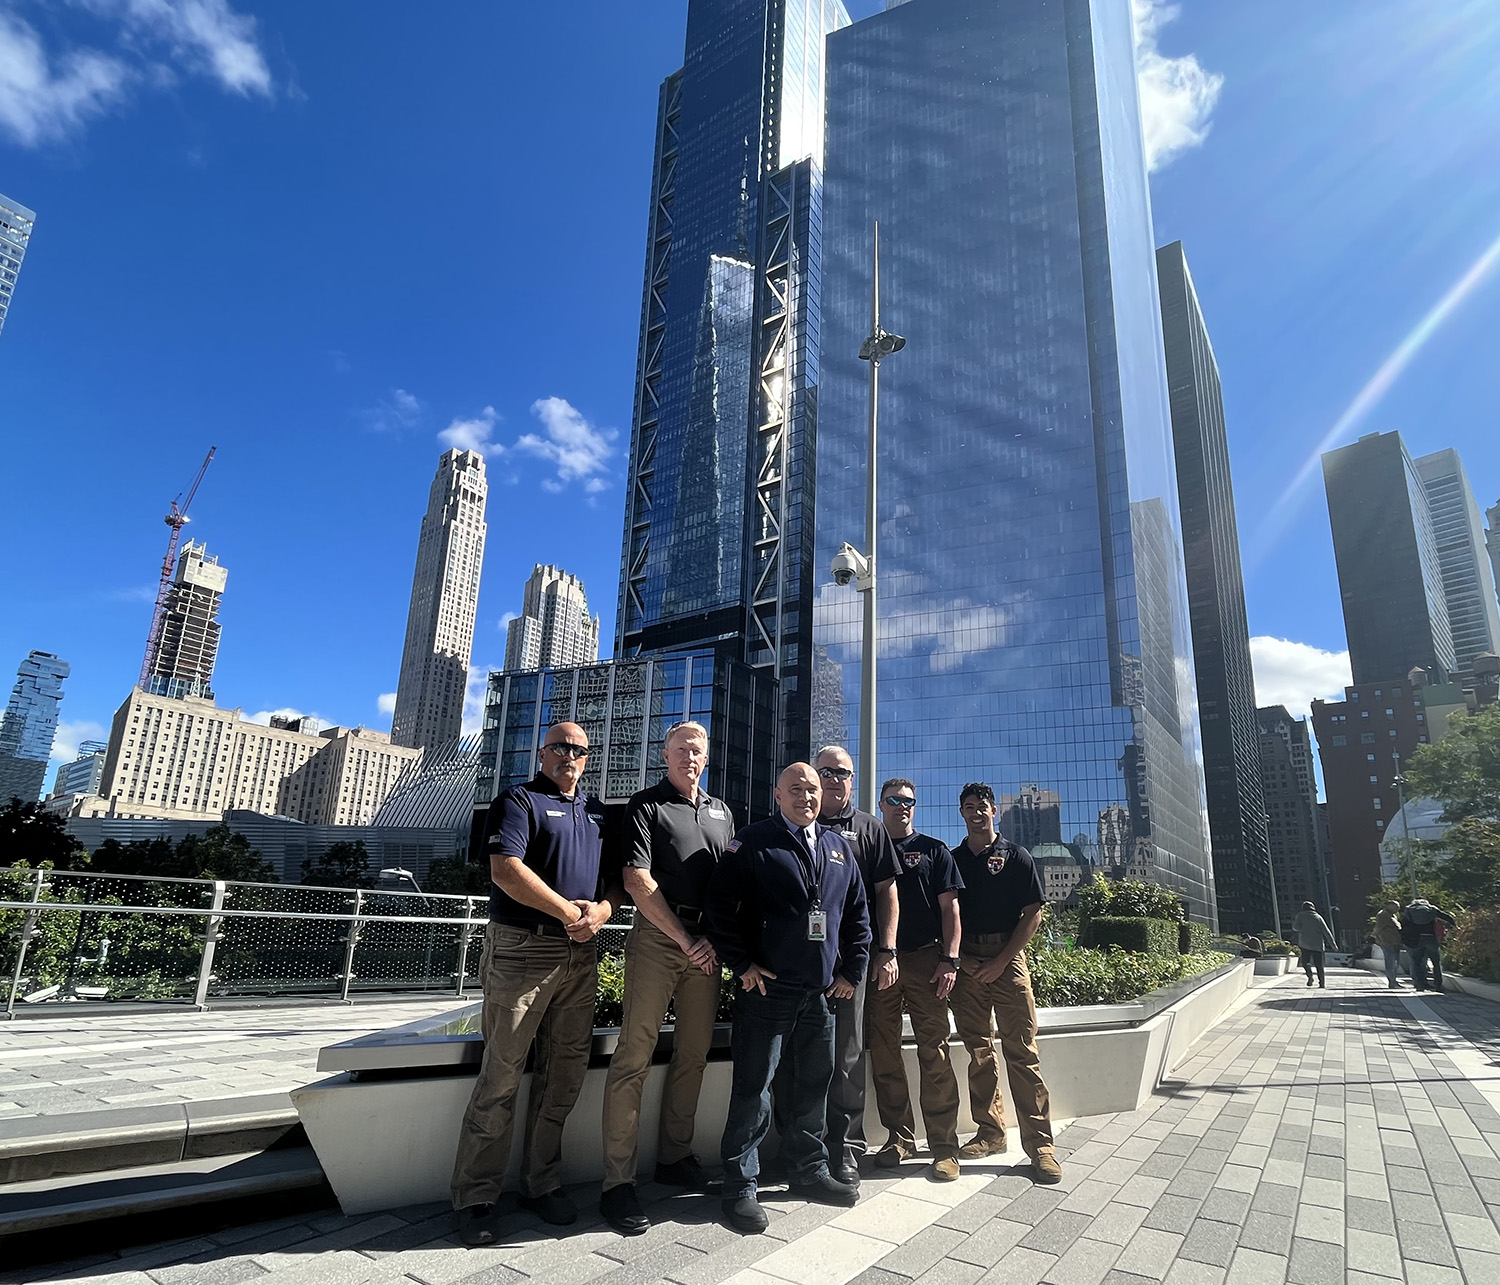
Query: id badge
x=817 y=925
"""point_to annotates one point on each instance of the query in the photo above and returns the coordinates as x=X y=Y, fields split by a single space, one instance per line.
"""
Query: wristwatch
x=886 y=950
x=950 y=960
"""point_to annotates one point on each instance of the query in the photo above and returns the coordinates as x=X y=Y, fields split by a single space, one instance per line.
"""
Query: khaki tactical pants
x=535 y=988
x=1005 y=1006
x=656 y=972
x=938 y=1085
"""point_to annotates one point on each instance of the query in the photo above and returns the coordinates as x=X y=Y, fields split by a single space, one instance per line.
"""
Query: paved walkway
x=93 y=1061
x=1347 y=1135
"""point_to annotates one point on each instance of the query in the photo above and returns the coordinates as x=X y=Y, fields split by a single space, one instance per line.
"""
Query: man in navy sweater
x=787 y=915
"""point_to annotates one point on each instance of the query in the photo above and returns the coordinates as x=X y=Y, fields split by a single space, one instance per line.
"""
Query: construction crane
x=177 y=518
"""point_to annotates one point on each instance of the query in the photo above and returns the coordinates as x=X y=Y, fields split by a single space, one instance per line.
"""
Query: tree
x=220 y=853
x=30 y=833
x=459 y=875
x=1462 y=772
x=340 y=865
x=139 y=857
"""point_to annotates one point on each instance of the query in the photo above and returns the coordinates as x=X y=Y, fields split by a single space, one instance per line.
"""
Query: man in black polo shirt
x=540 y=978
x=787 y=915
x=927 y=941
x=1002 y=901
x=877 y=867
x=674 y=837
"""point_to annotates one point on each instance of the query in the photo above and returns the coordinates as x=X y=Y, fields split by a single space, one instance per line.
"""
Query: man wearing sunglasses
x=540 y=976
x=675 y=835
x=876 y=857
x=927 y=941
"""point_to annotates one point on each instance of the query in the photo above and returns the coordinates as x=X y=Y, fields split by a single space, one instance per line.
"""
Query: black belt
x=539 y=930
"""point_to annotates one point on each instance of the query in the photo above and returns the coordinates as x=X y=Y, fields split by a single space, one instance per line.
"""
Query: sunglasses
x=835 y=773
x=566 y=749
x=897 y=801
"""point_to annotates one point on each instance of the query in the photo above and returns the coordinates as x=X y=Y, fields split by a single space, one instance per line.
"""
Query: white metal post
x=211 y=929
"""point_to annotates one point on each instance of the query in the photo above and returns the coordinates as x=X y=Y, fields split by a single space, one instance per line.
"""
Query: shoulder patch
x=732 y=846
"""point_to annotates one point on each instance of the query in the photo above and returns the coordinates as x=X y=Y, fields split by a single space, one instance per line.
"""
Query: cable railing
x=75 y=936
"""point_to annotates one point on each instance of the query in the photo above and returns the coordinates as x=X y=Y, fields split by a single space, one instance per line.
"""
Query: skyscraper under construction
x=182 y=656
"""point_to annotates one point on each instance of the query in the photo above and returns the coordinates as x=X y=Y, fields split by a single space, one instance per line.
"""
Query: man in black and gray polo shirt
x=675 y=834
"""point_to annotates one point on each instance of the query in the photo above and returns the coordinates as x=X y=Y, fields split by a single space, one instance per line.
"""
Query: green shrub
x=1275 y=946
x=1138 y=899
x=1193 y=939
x=1130 y=933
x=1473 y=948
x=1068 y=978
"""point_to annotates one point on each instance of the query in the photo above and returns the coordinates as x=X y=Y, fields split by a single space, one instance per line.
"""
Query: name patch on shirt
x=718 y=814
x=551 y=813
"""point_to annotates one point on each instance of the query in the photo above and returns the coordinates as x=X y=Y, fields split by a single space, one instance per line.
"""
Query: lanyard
x=814 y=872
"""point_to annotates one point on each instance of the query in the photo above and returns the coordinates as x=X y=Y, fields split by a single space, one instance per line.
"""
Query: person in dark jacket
x=1313 y=938
x=1421 y=923
x=787 y=915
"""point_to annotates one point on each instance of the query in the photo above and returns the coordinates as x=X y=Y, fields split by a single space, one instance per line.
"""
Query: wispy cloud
x=580 y=451
x=393 y=414
x=71 y=734
x=1294 y=674
x=1177 y=94
x=132 y=593
x=386 y=703
x=264 y=716
x=473 y=434
x=50 y=94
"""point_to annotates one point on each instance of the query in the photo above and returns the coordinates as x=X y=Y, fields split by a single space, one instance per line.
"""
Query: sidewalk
x=1346 y=1135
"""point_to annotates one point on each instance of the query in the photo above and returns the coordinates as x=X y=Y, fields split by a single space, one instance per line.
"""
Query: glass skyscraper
x=718 y=539
x=1033 y=614
x=16 y=222
x=29 y=724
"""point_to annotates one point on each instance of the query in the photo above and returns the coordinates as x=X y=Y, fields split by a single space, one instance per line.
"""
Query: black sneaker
x=745 y=1215
x=686 y=1173
x=476 y=1225
x=621 y=1208
x=554 y=1208
x=824 y=1190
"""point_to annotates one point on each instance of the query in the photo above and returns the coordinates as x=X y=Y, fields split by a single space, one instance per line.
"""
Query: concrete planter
x=385 y=1126
x=1273 y=965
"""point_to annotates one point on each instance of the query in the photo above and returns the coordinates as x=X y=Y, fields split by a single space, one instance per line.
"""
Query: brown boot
x=1045 y=1167
x=944 y=1169
x=892 y=1154
x=978 y=1147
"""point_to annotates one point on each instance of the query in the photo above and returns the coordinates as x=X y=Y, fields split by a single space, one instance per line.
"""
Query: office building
x=554 y=627
x=29 y=725
x=1216 y=607
x=1362 y=739
x=444 y=601
x=1390 y=574
x=16 y=222
x=183 y=757
x=625 y=707
x=1289 y=786
x=1033 y=611
x=718 y=534
x=183 y=653
x=84 y=774
x=1492 y=541
x=1468 y=578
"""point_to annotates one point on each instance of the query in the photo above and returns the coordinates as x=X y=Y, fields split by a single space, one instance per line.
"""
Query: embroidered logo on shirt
x=836 y=857
x=996 y=862
x=732 y=846
x=913 y=859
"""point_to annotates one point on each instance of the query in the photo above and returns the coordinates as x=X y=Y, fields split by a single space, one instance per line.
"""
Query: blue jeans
x=1392 y=963
x=1428 y=950
x=799 y=1022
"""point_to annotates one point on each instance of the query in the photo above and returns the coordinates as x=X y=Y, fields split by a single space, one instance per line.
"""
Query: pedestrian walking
x=927 y=939
x=539 y=971
x=787 y=915
x=1422 y=924
x=1001 y=903
x=675 y=834
x=876 y=856
x=1388 y=937
x=1313 y=937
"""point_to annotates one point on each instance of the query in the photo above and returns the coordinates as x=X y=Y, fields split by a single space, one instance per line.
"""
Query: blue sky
x=324 y=236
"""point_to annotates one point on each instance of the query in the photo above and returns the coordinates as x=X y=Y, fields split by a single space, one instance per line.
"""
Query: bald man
x=540 y=977
x=787 y=915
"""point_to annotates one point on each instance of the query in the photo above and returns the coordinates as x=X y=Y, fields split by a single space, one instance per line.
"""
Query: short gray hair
x=686 y=725
x=833 y=749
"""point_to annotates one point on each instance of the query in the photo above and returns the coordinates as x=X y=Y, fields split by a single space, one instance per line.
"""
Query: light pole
x=849 y=564
x=1400 y=783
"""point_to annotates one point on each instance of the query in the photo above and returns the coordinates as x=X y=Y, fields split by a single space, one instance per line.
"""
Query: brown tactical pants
x=938 y=1085
x=535 y=988
x=656 y=972
x=1006 y=1006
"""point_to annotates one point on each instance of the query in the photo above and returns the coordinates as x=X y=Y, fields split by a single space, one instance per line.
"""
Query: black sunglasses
x=897 y=801
x=835 y=773
x=566 y=749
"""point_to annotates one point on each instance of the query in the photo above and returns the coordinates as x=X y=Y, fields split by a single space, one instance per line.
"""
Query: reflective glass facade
x=1033 y=612
x=715 y=549
x=16 y=222
x=29 y=725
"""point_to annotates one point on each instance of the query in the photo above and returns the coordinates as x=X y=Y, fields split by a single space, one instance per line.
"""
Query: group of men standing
x=830 y=920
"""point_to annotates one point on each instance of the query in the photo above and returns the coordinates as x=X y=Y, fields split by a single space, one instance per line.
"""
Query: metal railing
x=69 y=936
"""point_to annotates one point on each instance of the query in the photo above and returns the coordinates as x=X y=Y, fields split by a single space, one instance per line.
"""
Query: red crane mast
x=177 y=518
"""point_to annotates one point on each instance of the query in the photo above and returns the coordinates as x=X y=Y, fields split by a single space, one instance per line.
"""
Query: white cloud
x=507 y=618
x=45 y=96
x=386 y=703
x=580 y=451
x=1293 y=673
x=473 y=434
x=70 y=735
x=264 y=716
x=1177 y=94
x=40 y=101
x=401 y=410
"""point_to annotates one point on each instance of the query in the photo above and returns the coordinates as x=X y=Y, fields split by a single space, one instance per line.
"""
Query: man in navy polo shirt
x=787 y=915
x=540 y=978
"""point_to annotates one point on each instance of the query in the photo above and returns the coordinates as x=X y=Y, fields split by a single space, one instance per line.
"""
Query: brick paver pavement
x=1347 y=1135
